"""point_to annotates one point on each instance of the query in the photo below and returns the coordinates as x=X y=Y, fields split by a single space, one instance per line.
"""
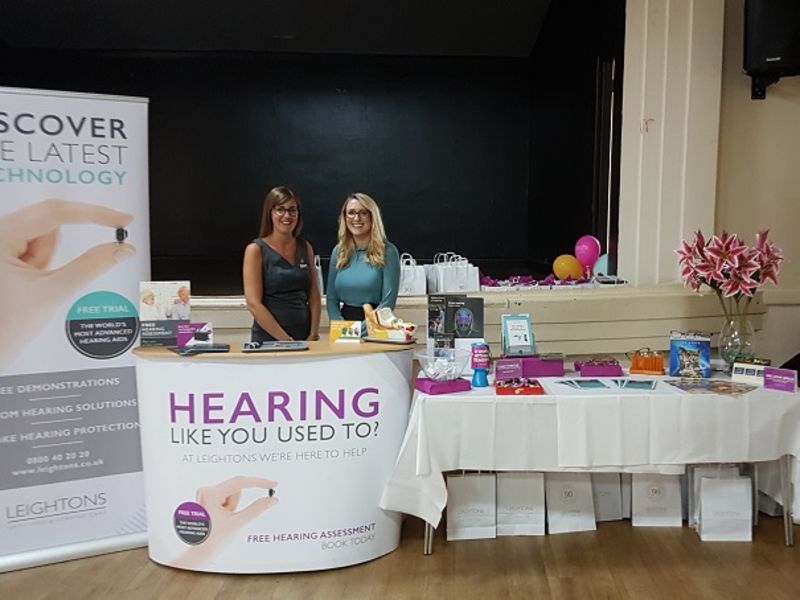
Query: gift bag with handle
x=656 y=501
x=471 y=506
x=625 y=484
x=707 y=471
x=431 y=272
x=457 y=275
x=520 y=504
x=607 y=493
x=444 y=273
x=726 y=505
x=413 y=281
x=318 y=267
x=570 y=506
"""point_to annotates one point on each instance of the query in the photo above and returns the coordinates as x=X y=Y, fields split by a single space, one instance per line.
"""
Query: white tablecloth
x=572 y=430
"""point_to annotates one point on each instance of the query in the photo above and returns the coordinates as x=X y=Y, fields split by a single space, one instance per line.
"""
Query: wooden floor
x=617 y=561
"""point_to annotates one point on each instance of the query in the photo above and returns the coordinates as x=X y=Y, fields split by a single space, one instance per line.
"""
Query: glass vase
x=736 y=340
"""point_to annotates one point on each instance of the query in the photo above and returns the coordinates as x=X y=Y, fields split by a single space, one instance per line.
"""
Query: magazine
x=711 y=386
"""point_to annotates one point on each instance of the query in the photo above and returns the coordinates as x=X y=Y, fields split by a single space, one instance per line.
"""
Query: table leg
x=690 y=499
x=427 y=542
x=754 y=481
x=788 y=498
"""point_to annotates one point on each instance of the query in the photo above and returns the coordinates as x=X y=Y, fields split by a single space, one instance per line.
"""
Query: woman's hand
x=31 y=291
x=221 y=501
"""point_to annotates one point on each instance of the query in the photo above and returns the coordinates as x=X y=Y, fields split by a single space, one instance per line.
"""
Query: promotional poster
x=273 y=464
x=75 y=243
x=163 y=307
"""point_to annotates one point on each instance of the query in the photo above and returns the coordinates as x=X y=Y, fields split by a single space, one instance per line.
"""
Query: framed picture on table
x=517 y=335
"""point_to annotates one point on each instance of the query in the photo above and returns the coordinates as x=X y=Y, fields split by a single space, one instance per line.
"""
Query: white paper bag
x=570 y=506
x=625 y=488
x=440 y=260
x=607 y=494
x=684 y=497
x=698 y=474
x=726 y=506
x=520 y=504
x=656 y=500
x=318 y=268
x=446 y=281
x=471 y=507
x=431 y=273
x=412 y=277
x=455 y=274
x=467 y=276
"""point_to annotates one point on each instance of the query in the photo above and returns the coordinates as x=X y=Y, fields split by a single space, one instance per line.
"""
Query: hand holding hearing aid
x=221 y=502
x=28 y=239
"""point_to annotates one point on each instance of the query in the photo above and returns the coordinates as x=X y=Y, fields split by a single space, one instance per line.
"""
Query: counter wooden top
x=322 y=348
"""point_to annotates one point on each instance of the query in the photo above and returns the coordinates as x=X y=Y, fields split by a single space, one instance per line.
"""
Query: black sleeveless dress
x=285 y=291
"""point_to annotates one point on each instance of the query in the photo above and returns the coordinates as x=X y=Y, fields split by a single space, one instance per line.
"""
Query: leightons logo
x=63 y=506
x=470 y=511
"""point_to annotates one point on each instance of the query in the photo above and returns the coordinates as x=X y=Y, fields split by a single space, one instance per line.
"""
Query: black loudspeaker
x=771 y=42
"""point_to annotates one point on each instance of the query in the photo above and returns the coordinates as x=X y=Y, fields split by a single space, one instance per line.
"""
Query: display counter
x=271 y=462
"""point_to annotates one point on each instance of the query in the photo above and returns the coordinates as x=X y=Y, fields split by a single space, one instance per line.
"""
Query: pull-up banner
x=74 y=244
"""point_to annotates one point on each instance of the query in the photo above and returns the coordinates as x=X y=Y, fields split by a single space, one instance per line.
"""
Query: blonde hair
x=376 y=248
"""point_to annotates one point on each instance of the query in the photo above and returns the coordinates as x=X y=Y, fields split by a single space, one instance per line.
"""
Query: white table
x=659 y=431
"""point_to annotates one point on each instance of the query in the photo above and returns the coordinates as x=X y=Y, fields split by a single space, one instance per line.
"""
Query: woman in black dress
x=280 y=281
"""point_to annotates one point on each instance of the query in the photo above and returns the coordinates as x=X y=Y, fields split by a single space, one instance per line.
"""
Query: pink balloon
x=587 y=250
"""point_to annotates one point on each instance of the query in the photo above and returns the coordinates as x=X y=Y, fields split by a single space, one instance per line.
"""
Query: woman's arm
x=253 y=288
x=391 y=277
x=314 y=296
x=331 y=297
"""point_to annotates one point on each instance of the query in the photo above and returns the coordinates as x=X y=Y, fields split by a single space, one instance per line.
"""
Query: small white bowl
x=444 y=364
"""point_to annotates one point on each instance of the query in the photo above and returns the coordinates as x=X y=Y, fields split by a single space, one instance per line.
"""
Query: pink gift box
x=601 y=371
x=535 y=366
x=507 y=368
x=431 y=386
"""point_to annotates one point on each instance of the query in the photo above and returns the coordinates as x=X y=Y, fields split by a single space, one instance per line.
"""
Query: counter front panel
x=259 y=464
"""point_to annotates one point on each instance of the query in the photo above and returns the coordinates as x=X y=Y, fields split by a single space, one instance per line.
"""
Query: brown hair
x=278 y=196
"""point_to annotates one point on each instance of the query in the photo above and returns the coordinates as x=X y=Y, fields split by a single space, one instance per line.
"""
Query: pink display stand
x=601 y=371
x=534 y=366
x=431 y=386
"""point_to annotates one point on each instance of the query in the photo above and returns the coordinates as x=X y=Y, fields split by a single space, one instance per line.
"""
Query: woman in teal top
x=365 y=266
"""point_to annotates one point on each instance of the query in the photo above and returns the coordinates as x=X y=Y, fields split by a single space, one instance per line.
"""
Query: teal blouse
x=359 y=282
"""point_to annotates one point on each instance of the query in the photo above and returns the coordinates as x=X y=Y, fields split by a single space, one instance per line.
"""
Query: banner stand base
x=44 y=556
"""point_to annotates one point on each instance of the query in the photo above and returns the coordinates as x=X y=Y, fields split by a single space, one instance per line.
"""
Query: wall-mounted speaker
x=771 y=42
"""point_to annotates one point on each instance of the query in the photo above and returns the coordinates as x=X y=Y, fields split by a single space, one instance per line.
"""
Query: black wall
x=569 y=170
x=465 y=154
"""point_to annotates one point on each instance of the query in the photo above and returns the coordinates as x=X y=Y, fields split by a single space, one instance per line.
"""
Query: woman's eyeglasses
x=352 y=213
x=282 y=210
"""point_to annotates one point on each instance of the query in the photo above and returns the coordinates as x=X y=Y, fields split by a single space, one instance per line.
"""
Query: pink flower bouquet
x=728 y=266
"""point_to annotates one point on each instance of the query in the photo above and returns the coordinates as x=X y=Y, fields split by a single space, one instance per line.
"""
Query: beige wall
x=759 y=153
x=758 y=178
x=670 y=132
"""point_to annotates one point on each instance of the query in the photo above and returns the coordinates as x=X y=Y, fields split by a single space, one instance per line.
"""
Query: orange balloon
x=567 y=265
